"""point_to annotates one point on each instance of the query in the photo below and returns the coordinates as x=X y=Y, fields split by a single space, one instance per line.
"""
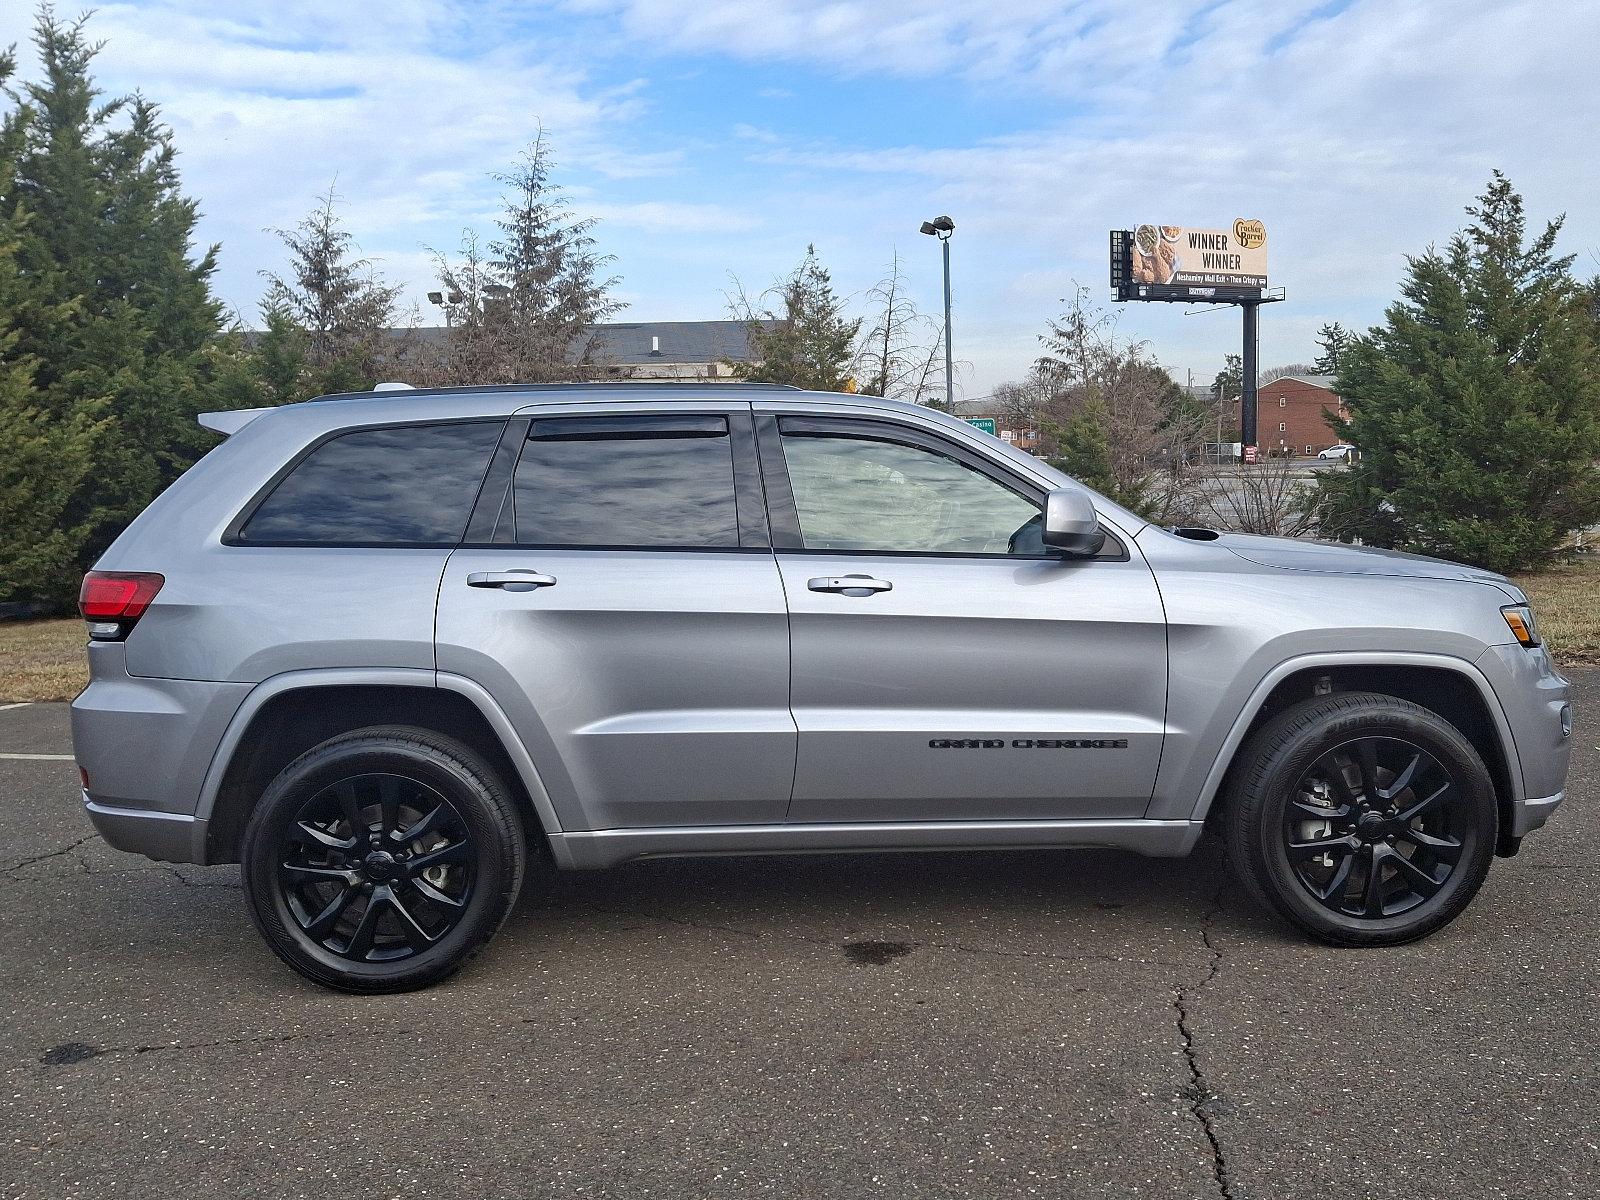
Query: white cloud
x=1356 y=132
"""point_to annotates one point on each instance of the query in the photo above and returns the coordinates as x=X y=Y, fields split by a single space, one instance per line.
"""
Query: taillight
x=111 y=601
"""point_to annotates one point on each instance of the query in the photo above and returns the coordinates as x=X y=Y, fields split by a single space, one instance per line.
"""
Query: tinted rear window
x=627 y=481
x=396 y=485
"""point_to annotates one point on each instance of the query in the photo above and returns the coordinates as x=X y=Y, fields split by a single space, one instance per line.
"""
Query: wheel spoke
x=1372 y=889
x=426 y=825
x=1333 y=892
x=322 y=924
x=1407 y=777
x=306 y=834
x=1313 y=813
x=428 y=891
x=1422 y=806
x=455 y=852
x=416 y=936
x=1445 y=849
x=1301 y=851
x=1424 y=884
x=389 y=802
x=1367 y=762
x=345 y=793
x=367 y=927
x=300 y=873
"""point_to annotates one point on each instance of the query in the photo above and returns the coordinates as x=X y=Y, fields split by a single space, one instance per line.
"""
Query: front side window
x=399 y=485
x=659 y=482
x=855 y=493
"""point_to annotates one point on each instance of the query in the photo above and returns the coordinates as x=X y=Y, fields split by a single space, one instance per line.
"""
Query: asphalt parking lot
x=973 y=1025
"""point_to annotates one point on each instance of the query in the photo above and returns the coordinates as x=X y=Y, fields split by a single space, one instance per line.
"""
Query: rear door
x=946 y=666
x=620 y=600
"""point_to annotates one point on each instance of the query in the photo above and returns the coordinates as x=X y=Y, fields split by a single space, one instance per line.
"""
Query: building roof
x=1325 y=382
x=630 y=342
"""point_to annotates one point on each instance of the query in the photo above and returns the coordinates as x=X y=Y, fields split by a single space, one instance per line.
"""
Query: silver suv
x=393 y=651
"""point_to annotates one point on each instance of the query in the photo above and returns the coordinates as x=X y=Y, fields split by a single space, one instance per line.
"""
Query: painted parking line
x=39 y=757
x=19 y=704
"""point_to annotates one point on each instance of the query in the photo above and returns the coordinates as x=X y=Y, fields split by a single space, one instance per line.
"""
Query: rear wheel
x=1363 y=819
x=382 y=860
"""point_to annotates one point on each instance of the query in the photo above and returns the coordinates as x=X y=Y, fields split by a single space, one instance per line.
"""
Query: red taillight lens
x=117 y=595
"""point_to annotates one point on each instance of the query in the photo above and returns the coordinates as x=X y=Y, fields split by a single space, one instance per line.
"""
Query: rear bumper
x=145 y=746
x=166 y=837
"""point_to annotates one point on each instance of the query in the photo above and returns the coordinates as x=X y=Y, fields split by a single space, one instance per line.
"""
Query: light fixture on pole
x=942 y=228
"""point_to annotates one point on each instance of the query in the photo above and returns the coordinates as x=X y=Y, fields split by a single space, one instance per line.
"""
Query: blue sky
x=716 y=138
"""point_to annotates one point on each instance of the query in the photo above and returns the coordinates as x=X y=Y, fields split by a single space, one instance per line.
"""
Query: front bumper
x=1536 y=700
x=1528 y=815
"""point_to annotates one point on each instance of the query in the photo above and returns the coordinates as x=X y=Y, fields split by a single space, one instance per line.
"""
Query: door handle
x=849 y=585
x=513 y=580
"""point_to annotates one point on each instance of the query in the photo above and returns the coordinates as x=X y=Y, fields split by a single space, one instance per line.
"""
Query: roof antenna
x=394 y=386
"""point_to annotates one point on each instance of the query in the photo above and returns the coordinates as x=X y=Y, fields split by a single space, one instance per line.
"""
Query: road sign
x=984 y=423
x=1250 y=454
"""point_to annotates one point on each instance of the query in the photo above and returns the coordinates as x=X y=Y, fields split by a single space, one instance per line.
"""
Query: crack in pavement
x=1202 y=1100
x=71 y=1053
x=13 y=868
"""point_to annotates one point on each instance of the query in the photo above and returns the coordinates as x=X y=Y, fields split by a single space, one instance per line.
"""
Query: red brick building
x=1289 y=418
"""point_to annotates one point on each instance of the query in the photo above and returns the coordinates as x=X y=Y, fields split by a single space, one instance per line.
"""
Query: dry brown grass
x=1566 y=602
x=42 y=660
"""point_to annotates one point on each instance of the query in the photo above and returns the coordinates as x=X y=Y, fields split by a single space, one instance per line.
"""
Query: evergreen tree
x=1333 y=339
x=336 y=303
x=116 y=318
x=807 y=341
x=1229 y=382
x=44 y=457
x=523 y=308
x=1476 y=405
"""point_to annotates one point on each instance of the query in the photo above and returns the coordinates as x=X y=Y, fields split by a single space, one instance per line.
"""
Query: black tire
x=346 y=900
x=1314 y=793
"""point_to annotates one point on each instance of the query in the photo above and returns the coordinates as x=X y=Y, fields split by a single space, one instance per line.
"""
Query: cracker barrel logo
x=1251 y=235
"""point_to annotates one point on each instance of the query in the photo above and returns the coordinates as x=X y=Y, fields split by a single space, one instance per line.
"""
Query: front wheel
x=1362 y=819
x=382 y=860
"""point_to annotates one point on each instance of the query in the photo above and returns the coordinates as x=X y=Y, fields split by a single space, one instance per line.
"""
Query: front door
x=945 y=665
x=624 y=609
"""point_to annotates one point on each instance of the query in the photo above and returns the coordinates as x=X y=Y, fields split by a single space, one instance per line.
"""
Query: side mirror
x=1070 y=523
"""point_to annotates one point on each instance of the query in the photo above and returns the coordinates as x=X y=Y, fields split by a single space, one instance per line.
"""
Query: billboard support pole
x=1247 y=380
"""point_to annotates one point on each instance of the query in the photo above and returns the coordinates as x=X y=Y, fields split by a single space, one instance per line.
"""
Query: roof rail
x=616 y=385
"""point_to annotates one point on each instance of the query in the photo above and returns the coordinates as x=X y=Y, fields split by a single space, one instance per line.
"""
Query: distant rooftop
x=641 y=343
x=1322 y=381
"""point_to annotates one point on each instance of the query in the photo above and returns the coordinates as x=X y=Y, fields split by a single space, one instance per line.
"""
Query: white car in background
x=1344 y=453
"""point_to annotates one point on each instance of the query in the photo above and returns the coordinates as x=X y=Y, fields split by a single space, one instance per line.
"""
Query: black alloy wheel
x=383 y=859
x=1361 y=818
x=378 y=867
x=1368 y=831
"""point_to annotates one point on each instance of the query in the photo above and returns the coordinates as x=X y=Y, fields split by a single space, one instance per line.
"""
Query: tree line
x=111 y=339
x=1475 y=404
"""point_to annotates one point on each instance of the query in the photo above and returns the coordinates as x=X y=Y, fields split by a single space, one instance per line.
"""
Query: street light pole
x=949 y=372
x=942 y=228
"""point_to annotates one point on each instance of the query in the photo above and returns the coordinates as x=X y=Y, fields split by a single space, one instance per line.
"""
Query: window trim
x=750 y=511
x=232 y=535
x=784 y=516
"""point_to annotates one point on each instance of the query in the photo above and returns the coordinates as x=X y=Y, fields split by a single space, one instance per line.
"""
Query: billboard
x=1181 y=262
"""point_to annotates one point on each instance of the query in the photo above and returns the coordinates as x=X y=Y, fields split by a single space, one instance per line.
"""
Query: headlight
x=1520 y=618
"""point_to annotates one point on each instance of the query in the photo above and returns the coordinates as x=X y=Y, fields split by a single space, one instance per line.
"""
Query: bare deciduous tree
x=901 y=351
